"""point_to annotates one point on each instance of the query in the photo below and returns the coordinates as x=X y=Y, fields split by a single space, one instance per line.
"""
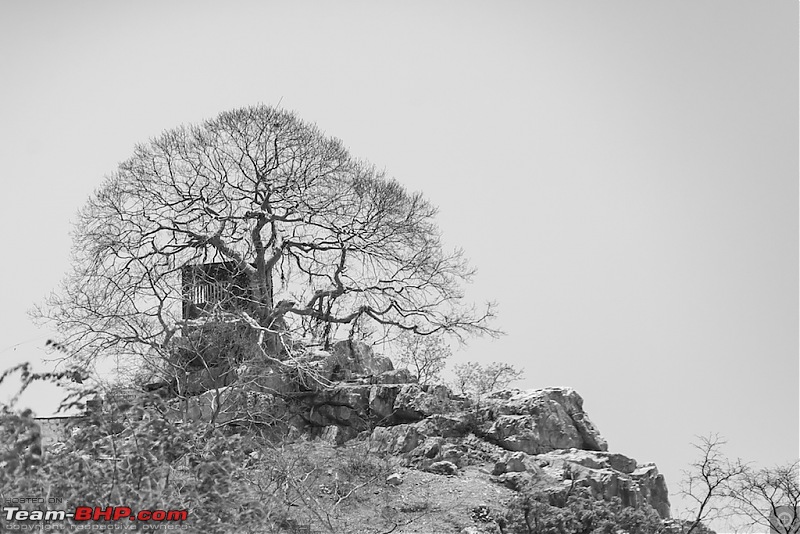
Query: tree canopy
x=315 y=237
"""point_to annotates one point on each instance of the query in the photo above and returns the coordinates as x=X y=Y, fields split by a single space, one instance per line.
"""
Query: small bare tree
x=769 y=497
x=425 y=356
x=721 y=488
x=706 y=482
x=474 y=380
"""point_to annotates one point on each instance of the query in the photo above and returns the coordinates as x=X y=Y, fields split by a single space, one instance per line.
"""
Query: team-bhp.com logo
x=94 y=513
x=785 y=520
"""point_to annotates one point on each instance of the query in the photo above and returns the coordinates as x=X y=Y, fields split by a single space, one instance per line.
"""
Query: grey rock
x=529 y=435
x=394 y=376
x=227 y=403
x=381 y=402
x=513 y=481
x=337 y=435
x=357 y=358
x=590 y=459
x=346 y=360
x=609 y=475
x=361 y=406
x=395 y=439
x=433 y=450
x=515 y=462
x=653 y=488
x=499 y=468
x=443 y=468
x=454 y=453
x=453 y=425
x=539 y=421
x=416 y=401
x=395 y=479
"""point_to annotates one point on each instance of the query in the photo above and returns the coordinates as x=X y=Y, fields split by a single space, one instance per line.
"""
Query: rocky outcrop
x=363 y=406
x=397 y=439
x=348 y=360
x=394 y=376
x=522 y=438
x=539 y=421
x=511 y=463
x=352 y=406
x=608 y=475
x=541 y=436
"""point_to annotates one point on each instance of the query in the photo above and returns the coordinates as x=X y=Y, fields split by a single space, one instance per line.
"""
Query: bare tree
x=426 y=356
x=706 y=482
x=474 y=380
x=769 y=497
x=309 y=239
x=721 y=488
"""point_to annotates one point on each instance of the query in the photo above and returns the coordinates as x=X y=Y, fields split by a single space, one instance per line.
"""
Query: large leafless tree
x=322 y=240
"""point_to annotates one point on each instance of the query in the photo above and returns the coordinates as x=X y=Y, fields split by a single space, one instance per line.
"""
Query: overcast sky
x=624 y=175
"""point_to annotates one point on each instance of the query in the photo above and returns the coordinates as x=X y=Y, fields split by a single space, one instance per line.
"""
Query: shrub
x=538 y=511
x=139 y=459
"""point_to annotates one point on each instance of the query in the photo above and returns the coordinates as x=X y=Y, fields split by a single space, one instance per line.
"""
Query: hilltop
x=439 y=462
x=339 y=441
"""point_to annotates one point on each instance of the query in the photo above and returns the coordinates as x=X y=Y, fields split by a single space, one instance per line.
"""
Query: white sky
x=624 y=174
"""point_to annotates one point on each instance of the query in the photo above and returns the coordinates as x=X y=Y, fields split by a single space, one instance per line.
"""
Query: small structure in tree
x=214 y=286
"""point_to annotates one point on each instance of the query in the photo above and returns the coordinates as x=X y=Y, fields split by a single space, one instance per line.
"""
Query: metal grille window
x=208 y=293
x=210 y=286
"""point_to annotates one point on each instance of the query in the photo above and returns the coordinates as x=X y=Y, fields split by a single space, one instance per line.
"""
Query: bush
x=538 y=511
x=153 y=463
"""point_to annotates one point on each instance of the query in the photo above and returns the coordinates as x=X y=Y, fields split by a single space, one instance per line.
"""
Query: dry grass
x=345 y=491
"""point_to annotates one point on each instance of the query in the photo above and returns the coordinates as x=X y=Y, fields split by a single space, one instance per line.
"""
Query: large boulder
x=430 y=438
x=363 y=405
x=380 y=403
x=417 y=401
x=452 y=425
x=394 y=376
x=538 y=421
x=533 y=422
x=397 y=439
x=589 y=459
x=347 y=360
x=653 y=488
x=355 y=358
x=442 y=467
x=335 y=435
x=338 y=406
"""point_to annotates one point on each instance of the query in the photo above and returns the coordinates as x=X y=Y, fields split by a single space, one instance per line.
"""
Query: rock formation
x=522 y=436
x=539 y=421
